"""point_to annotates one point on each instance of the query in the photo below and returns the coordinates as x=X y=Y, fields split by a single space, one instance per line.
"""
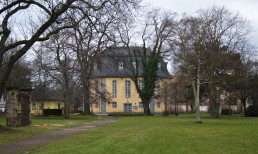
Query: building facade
x=115 y=91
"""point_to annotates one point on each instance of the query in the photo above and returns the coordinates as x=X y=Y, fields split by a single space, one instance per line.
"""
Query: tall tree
x=60 y=65
x=156 y=31
x=189 y=55
x=45 y=15
x=203 y=42
x=225 y=35
x=91 y=38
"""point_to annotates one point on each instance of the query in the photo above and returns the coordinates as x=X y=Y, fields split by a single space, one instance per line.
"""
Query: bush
x=226 y=112
x=47 y=112
x=252 y=111
x=125 y=114
x=165 y=113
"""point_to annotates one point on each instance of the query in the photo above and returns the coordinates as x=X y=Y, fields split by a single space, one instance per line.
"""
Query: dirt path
x=44 y=139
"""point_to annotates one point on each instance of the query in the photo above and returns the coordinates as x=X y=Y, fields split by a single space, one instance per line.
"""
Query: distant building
x=2 y=104
x=43 y=98
x=111 y=77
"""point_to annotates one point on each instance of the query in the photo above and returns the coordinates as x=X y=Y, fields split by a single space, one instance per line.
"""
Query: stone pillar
x=25 y=103
x=11 y=106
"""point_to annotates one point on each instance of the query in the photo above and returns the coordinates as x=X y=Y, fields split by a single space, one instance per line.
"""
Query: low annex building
x=115 y=91
x=45 y=99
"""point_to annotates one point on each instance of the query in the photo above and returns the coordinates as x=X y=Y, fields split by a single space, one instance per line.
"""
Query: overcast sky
x=246 y=8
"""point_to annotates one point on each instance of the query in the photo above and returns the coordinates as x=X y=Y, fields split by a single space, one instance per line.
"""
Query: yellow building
x=37 y=107
x=111 y=79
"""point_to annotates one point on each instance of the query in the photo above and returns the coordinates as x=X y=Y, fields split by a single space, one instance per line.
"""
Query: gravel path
x=44 y=139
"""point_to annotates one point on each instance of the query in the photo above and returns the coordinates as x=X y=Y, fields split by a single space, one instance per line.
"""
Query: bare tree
x=189 y=55
x=91 y=38
x=60 y=65
x=201 y=40
x=154 y=38
x=41 y=15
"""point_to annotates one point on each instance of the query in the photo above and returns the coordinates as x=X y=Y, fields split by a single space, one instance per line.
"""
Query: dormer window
x=159 y=66
x=134 y=65
x=95 y=66
x=120 y=65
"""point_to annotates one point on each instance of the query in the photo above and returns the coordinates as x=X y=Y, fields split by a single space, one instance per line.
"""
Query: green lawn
x=163 y=135
x=41 y=126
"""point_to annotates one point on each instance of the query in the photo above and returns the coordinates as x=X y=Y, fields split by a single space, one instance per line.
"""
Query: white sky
x=246 y=8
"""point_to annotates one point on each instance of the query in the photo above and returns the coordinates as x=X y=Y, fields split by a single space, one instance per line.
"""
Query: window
x=140 y=105
x=165 y=85
x=127 y=89
x=114 y=105
x=159 y=66
x=120 y=65
x=41 y=106
x=134 y=65
x=158 y=87
x=158 y=104
x=95 y=66
x=33 y=106
x=97 y=89
x=114 y=91
x=141 y=85
x=97 y=105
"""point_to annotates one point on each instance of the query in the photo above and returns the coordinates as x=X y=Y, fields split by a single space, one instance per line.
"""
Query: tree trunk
x=166 y=107
x=66 y=104
x=86 y=96
x=214 y=102
x=187 y=106
x=197 y=102
x=196 y=88
x=146 y=107
x=243 y=101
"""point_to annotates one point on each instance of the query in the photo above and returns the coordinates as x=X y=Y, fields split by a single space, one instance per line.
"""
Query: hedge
x=252 y=111
x=47 y=112
x=125 y=114
x=226 y=112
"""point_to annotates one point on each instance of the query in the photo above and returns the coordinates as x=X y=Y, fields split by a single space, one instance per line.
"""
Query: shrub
x=226 y=112
x=252 y=111
x=165 y=113
x=125 y=114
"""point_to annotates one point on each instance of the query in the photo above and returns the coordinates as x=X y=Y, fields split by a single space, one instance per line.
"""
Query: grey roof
x=108 y=64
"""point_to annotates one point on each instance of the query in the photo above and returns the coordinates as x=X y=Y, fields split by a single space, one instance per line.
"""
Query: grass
x=158 y=134
x=42 y=125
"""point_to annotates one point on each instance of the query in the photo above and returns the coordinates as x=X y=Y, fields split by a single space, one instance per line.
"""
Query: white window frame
x=95 y=66
x=134 y=65
x=33 y=106
x=158 y=104
x=114 y=88
x=114 y=104
x=159 y=66
x=120 y=65
x=140 y=105
x=127 y=88
x=158 y=87
x=141 y=85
